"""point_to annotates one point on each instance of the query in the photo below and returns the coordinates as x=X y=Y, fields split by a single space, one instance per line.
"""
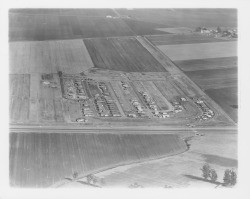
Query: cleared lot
x=69 y=56
x=200 y=51
x=122 y=54
x=42 y=159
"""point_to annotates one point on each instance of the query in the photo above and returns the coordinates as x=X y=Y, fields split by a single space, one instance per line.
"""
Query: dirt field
x=122 y=54
x=182 y=170
x=40 y=160
x=173 y=39
x=191 y=18
x=205 y=64
x=23 y=27
x=69 y=56
x=200 y=51
x=227 y=98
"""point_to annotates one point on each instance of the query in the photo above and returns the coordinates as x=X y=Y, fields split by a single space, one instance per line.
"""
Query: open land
x=69 y=56
x=89 y=93
x=200 y=51
x=174 y=39
x=43 y=159
x=123 y=54
x=218 y=150
x=190 y=18
x=50 y=27
x=207 y=64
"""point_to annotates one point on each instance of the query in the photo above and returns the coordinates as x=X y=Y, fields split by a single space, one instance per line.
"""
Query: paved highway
x=117 y=130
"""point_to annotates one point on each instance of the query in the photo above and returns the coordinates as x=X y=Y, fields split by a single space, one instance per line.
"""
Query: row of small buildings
x=207 y=113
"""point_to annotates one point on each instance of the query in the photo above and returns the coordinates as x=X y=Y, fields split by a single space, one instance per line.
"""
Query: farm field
x=85 y=12
x=227 y=99
x=174 y=39
x=200 y=51
x=207 y=64
x=216 y=78
x=183 y=170
x=69 y=56
x=43 y=159
x=144 y=28
x=191 y=18
x=122 y=54
x=25 y=27
x=181 y=30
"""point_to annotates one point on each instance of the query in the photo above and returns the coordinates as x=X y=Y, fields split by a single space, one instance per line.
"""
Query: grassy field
x=173 y=39
x=191 y=18
x=40 y=160
x=23 y=27
x=227 y=98
x=200 y=51
x=207 y=64
x=69 y=56
x=122 y=54
x=215 y=148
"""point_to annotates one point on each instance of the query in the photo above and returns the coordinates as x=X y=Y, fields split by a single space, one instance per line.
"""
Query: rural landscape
x=132 y=98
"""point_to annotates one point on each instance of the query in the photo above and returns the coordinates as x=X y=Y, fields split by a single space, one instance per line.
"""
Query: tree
x=213 y=175
x=75 y=175
x=233 y=177
x=227 y=177
x=91 y=179
x=205 y=171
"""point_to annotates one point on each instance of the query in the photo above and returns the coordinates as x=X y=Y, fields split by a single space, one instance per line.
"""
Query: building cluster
x=139 y=108
x=105 y=105
x=219 y=32
x=86 y=110
x=207 y=113
x=150 y=103
x=73 y=89
x=177 y=107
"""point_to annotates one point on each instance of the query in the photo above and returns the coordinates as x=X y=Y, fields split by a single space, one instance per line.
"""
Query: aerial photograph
x=123 y=98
